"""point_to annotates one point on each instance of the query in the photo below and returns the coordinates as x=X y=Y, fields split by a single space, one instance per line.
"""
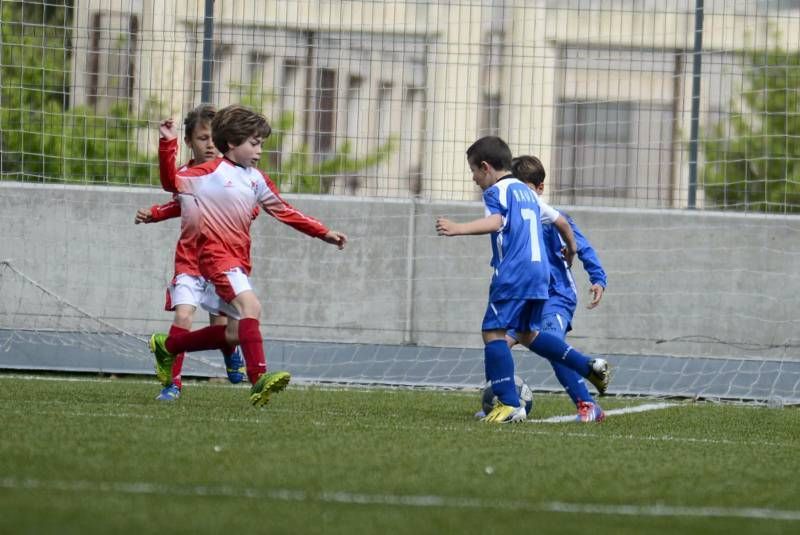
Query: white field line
x=613 y=412
x=394 y=500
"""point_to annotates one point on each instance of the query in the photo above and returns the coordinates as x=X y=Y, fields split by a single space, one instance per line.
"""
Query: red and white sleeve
x=169 y=210
x=273 y=204
x=167 y=167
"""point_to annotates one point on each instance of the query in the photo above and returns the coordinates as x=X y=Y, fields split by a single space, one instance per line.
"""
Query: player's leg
x=556 y=350
x=182 y=323
x=499 y=363
x=556 y=322
x=211 y=337
x=243 y=329
x=234 y=363
x=183 y=296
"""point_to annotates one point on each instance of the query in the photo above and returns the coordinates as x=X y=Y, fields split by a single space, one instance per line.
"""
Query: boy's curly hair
x=234 y=124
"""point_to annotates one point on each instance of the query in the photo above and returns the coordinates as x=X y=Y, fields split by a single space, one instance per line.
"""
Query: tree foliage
x=753 y=157
x=302 y=171
x=43 y=139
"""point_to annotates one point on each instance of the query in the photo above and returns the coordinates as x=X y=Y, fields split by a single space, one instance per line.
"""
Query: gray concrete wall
x=680 y=283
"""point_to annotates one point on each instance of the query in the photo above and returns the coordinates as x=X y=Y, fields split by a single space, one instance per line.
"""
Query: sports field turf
x=80 y=455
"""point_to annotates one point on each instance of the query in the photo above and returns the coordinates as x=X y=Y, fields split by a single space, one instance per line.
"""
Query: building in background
x=601 y=90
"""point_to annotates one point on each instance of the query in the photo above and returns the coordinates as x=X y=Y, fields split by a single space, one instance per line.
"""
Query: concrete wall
x=680 y=283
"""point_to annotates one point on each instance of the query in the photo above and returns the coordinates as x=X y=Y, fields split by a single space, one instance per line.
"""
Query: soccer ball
x=488 y=399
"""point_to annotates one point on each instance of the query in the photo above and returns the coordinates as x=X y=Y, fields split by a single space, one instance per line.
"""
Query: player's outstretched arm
x=143 y=215
x=484 y=225
x=158 y=212
x=335 y=238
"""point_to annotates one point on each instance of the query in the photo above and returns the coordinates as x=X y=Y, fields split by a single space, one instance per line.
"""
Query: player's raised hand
x=167 y=130
x=596 y=291
x=143 y=215
x=335 y=238
x=445 y=227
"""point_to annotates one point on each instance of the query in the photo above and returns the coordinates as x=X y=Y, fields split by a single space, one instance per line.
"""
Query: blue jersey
x=521 y=267
x=563 y=294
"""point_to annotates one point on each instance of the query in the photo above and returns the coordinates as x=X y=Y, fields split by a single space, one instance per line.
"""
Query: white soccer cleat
x=599 y=375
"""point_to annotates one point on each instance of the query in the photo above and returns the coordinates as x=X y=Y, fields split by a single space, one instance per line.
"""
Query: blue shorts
x=556 y=323
x=553 y=321
x=519 y=314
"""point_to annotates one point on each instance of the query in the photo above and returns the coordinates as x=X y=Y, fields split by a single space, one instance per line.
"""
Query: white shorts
x=229 y=284
x=185 y=290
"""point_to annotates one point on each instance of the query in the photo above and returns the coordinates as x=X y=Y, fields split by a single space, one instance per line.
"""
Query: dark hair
x=234 y=124
x=492 y=150
x=528 y=169
x=202 y=114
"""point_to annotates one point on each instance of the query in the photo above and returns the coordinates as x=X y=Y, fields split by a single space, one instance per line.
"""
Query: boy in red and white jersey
x=185 y=292
x=226 y=192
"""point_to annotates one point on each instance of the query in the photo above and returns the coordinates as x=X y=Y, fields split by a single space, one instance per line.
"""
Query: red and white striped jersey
x=225 y=195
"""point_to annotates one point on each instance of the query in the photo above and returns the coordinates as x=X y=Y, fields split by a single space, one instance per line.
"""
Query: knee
x=252 y=309
x=183 y=319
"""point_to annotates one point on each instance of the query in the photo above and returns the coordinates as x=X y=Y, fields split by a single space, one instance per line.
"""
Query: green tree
x=42 y=139
x=753 y=157
x=298 y=171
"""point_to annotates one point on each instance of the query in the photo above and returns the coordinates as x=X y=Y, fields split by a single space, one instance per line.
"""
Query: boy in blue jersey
x=563 y=299
x=520 y=282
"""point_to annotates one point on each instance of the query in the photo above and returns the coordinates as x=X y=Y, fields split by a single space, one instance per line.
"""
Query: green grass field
x=81 y=455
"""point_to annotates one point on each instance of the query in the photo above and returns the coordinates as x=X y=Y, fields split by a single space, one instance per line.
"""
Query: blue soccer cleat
x=169 y=393
x=234 y=367
x=589 y=412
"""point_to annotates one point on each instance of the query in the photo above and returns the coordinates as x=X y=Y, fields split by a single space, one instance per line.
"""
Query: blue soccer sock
x=556 y=350
x=573 y=383
x=500 y=371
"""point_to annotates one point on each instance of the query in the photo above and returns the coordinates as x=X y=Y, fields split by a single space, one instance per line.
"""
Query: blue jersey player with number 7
x=521 y=275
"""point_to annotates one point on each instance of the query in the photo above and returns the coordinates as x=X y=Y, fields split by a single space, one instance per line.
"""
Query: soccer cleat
x=599 y=375
x=234 y=367
x=164 y=358
x=169 y=393
x=503 y=414
x=268 y=384
x=589 y=412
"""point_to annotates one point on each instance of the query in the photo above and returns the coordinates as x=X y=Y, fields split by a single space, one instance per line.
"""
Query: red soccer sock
x=252 y=345
x=212 y=337
x=177 y=364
